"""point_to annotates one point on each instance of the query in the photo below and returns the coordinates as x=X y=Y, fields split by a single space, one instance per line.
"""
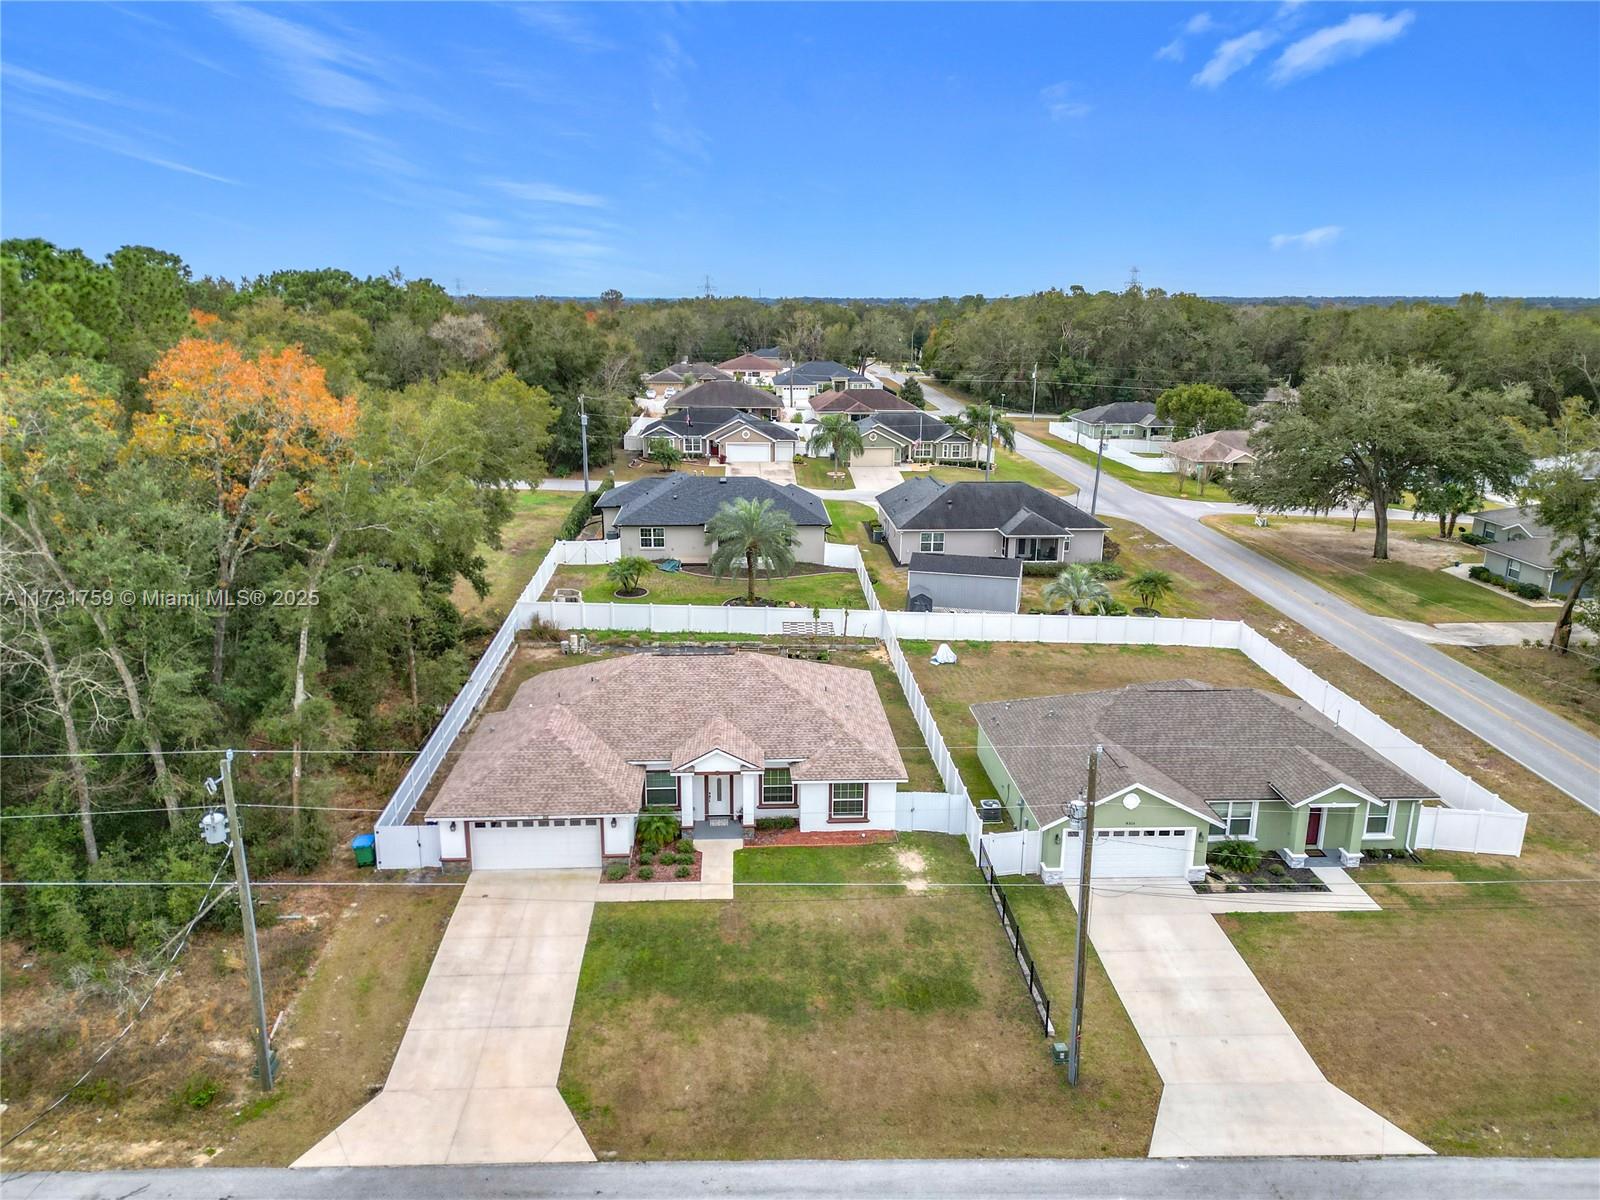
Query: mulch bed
x=660 y=873
x=1292 y=879
x=827 y=837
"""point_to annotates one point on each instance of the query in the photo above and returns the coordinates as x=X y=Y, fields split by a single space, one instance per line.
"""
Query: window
x=1380 y=820
x=660 y=790
x=694 y=446
x=847 y=802
x=931 y=543
x=922 y=450
x=1238 y=819
x=777 y=787
x=954 y=449
x=1487 y=532
x=652 y=537
x=1513 y=569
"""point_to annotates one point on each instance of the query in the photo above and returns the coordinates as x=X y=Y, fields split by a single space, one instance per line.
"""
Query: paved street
x=1551 y=748
x=942 y=1179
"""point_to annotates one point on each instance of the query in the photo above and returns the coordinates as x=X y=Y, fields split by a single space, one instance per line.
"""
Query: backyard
x=808 y=586
x=1410 y=586
x=535 y=520
x=847 y=1021
x=850 y=520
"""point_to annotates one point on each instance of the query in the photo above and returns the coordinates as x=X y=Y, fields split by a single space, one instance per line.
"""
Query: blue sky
x=821 y=149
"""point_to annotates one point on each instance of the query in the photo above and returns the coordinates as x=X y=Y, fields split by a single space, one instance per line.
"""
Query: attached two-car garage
x=1132 y=853
x=525 y=845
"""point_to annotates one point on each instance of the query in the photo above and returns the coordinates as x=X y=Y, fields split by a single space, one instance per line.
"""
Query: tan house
x=1001 y=519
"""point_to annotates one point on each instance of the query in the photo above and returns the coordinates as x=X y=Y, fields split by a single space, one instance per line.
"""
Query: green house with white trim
x=1184 y=765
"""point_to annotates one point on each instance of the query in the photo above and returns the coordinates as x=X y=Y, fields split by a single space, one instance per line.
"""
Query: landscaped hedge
x=1518 y=587
x=777 y=823
x=1473 y=539
x=1107 y=570
x=582 y=510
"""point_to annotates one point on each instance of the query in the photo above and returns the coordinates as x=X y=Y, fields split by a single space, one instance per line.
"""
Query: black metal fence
x=1013 y=931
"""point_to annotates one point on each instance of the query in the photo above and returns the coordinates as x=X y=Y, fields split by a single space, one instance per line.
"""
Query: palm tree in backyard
x=981 y=423
x=836 y=435
x=1151 y=586
x=1077 y=589
x=751 y=530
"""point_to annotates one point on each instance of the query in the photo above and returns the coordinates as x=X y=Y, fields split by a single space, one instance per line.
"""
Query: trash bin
x=366 y=848
x=1058 y=1053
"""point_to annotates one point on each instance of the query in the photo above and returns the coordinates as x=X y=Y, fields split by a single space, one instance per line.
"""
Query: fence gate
x=1008 y=922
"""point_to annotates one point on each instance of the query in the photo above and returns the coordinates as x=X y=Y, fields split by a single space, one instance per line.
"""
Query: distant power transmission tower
x=709 y=293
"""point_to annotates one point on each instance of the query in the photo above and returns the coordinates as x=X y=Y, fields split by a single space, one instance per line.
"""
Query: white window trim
x=1388 y=826
x=926 y=540
x=1224 y=835
x=649 y=539
x=833 y=812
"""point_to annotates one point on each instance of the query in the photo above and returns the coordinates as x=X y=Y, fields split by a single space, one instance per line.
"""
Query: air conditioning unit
x=990 y=812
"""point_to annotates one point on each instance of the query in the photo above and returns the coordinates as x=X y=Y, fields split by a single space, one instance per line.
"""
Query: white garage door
x=511 y=845
x=755 y=451
x=1134 y=853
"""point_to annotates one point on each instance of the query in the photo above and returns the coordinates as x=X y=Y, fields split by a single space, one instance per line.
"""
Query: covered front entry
x=521 y=845
x=1314 y=819
x=719 y=797
x=1132 y=853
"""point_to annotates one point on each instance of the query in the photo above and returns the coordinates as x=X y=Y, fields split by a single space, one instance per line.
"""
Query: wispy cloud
x=320 y=68
x=671 y=124
x=1322 y=235
x=111 y=141
x=1061 y=104
x=559 y=22
x=548 y=193
x=1233 y=56
x=1351 y=38
x=33 y=81
x=1174 y=50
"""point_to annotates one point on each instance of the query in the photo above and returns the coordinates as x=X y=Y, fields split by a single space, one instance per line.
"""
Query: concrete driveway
x=872 y=480
x=1236 y=1079
x=475 y=1077
x=772 y=472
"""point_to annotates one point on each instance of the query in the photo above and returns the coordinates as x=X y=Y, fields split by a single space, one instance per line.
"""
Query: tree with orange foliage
x=242 y=427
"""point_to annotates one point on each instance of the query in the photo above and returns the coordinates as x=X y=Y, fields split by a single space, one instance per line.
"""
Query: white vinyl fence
x=931 y=812
x=1120 y=450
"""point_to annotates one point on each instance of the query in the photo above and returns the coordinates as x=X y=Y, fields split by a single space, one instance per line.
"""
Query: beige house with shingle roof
x=560 y=776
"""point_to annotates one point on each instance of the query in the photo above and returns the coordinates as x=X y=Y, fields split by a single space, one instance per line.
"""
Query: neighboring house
x=560 y=777
x=1126 y=420
x=1185 y=764
x=726 y=393
x=669 y=381
x=964 y=583
x=1521 y=549
x=859 y=402
x=752 y=369
x=1210 y=455
x=987 y=520
x=804 y=380
x=665 y=516
x=719 y=435
x=892 y=437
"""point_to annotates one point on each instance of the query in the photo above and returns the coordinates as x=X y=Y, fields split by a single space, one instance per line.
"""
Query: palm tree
x=625 y=572
x=1077 y=589
x=751 y=530
x=982 y=423
x=1151 y=586
x=664 y=454
x=836 y=435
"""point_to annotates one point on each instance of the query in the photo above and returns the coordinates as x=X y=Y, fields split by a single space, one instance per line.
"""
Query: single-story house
x=752 y=368
x=726 y=393
x=963 y=583
x=804 y=380
x=892 y=437
x=1126 y=420
x=859 y=402
x=1522 y=549
x=1000 y=519
x=1184 y=764
x=1210 y=455
x=560 y=777
x=665 y=516
x=669 y=381
x=721 y=435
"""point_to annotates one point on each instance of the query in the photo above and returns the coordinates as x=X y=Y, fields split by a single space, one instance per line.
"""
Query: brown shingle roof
x=571 y=741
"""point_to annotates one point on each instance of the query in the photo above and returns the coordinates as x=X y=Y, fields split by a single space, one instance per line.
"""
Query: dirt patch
x=915 y=867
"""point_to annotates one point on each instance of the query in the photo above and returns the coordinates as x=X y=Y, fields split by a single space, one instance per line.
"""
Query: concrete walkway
x=1236 y=1079
x=875 y=479
x=1486 y=633
x=715 y=883
x=475 y=1078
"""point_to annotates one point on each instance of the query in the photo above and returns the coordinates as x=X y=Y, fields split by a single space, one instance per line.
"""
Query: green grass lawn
x=1146 y=481
x=1409 y=586
x=1563 y=683
x=1011 y=466
x=889 y=581
x=856 y=1022
x=817 y=473
x=824 y=588
x=525 y=540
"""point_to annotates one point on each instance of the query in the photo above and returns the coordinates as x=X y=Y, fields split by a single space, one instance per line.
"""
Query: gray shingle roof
x=679 y=499
x=571 y=740
x=819 y=371
x=965 y=564
x=1189 y=741
x=1123 y=412
x=914 y=426
x=925 y=503
x=702 y=422
x=724 y=393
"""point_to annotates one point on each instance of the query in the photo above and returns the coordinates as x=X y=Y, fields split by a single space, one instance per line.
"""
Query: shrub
x=1528 y=591
x=775 y=823
x=1480 y=573
x=1234 y=855
x=647 y=873
x=616 y=871
x=1112 y=549
x=1051 y=569
x=683 y=872
x=1114 y=608
x=1473 y=539
x=582 y=509
x=1107 y=570
x=197 y=1092
x=1235 y=887
x=656 y=830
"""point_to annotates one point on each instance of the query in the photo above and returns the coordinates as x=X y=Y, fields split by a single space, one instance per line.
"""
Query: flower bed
x=1273 y=875
x=681 y=857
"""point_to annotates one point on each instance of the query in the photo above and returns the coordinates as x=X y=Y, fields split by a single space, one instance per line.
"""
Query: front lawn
x=818 y=473
x=988 y=671
x=1408 y=587
x=855 y=1022
x=1008 y=465
x=1156 y=483
x=823 y=587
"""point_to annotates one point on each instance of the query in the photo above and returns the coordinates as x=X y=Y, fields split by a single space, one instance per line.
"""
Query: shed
x=964 y=583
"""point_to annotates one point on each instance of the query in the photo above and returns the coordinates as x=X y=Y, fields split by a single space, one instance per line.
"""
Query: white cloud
x=1322 y=235
x=321 y=69
x=1352 y=37
x=1174 y=50
x=1233 y=56
x=558 y=22
x=112 y=142
x=549 y=193
x=1060 y=104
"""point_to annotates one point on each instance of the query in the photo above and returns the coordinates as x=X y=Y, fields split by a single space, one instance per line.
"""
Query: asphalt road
x=952 y=1179
x=1550 y=747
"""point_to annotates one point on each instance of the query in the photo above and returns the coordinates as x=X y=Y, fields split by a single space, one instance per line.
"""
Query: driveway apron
x=475 y=1077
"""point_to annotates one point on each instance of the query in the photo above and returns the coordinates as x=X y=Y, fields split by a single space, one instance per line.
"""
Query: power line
x=1144 y=885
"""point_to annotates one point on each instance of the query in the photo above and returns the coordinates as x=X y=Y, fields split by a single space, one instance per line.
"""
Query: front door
x=719 y=796
x=1314 y=828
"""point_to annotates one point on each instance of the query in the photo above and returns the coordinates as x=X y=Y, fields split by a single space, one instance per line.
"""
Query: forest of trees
x=312 y=433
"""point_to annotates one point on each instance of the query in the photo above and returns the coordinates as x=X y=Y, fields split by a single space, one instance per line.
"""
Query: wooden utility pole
x=1075 y=1045
x=247 y=911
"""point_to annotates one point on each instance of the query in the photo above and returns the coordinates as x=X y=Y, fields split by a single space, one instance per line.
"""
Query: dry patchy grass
x=1563 y=683
x=525 y=540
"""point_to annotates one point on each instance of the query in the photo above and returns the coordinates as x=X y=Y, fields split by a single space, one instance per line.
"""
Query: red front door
x=1314 y=827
